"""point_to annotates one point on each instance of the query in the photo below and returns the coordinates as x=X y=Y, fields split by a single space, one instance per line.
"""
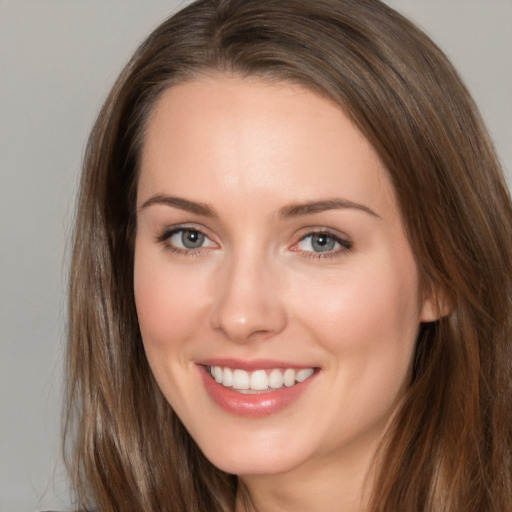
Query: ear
x=435 y=305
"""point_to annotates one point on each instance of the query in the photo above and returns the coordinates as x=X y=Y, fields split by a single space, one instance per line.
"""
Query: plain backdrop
x=58 y=59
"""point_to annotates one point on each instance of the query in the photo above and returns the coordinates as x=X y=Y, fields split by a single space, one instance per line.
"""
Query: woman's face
x=270 y=252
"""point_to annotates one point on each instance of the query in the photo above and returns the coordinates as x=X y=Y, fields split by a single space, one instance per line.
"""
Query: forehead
x=251 y=137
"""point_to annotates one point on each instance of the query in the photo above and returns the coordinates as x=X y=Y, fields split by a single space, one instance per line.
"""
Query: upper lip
x=251 y=365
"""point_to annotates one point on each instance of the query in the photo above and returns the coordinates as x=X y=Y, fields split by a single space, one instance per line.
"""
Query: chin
x=256 y=458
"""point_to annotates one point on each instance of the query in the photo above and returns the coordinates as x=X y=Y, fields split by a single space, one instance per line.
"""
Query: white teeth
x=304 y=374
x=275 y=379
x=240 y=379
x=217 y=374
x=289 y=377
x=227 y=378
x=259 y=380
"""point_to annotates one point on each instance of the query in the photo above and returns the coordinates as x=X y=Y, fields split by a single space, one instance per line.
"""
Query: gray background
x=58 y=59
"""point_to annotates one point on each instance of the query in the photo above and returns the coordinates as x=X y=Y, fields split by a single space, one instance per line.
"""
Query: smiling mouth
x=258 y=381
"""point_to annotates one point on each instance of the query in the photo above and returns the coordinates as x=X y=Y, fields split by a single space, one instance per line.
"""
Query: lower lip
x=252 y=405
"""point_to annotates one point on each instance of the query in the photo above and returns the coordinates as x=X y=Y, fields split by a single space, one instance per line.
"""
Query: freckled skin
x=248 y=148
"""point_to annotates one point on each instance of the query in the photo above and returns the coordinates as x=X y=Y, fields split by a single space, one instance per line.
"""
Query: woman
x=291 y=278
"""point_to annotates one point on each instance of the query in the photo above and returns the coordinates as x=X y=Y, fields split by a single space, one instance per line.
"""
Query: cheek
x=368 y=316
x=167 y=302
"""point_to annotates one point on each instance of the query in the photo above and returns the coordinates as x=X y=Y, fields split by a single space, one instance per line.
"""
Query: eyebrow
x=182 y=204
x=292 y=210
x=298 y=210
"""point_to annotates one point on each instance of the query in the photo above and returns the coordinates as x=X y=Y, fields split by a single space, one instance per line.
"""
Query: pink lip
x=257 y=405
x=250 y=366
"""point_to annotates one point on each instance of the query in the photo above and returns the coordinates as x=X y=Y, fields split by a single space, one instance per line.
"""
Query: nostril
x=248 y=305
x=249 y=323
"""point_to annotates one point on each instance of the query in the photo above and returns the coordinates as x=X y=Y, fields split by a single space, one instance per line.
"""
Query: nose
x=248 y=303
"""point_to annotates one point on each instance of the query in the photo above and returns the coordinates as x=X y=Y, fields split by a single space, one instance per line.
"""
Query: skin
x=257 y=288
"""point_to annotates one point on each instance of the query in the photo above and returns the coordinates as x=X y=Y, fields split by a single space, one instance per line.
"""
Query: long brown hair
x=450 y=446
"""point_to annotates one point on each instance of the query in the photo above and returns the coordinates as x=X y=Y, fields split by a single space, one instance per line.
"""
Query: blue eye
x=322 y=242
x=186 y=239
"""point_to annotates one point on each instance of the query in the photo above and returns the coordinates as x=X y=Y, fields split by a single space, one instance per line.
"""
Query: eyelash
x=164 y=239
x=345 y=245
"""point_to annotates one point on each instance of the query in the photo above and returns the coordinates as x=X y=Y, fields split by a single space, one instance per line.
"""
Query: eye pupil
x=322 y=242
x=192 y=239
